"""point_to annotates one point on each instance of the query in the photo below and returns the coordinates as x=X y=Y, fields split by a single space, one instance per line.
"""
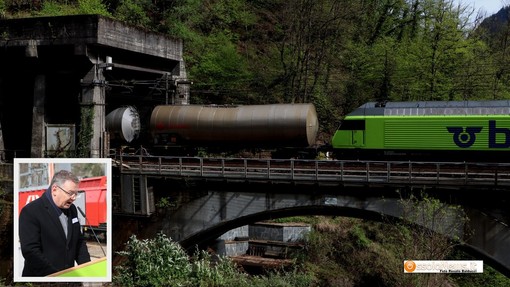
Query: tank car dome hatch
x=123 y=123
x=267 y=125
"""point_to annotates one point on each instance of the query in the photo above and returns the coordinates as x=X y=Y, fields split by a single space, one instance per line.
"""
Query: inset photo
x=62 y=220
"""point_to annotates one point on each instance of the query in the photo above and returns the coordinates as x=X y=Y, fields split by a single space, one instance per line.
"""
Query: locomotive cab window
x=352 y=125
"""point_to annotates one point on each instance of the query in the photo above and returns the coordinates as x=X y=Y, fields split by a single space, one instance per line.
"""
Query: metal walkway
x=322 y=172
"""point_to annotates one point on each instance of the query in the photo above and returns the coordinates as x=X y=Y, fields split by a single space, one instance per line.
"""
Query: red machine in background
x=95 y=202
x=92 y=202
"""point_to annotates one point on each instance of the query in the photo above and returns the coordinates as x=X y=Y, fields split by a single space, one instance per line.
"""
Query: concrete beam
x=88 y=29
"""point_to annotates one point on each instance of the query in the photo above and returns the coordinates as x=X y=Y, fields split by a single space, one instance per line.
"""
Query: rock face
x=495 y=24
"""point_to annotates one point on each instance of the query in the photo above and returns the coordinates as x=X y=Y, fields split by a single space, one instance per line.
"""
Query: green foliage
x=2 y=9
x=208 y=270
x=214 y=55
x=427 y=63
x=300 y=219
x=205 y=17
x=182 y=20
x=220 y=68
x=21 y=6
x=359 y=238
x=294 y=278
x=156 y=262
x=134 y=12
x=354 y=252
x=327 y=112
x=93 y=7
x=54 y=8
x=162 y=262
x=59 y=8
x=309 y=37
x=344 y=253
x=165 y=203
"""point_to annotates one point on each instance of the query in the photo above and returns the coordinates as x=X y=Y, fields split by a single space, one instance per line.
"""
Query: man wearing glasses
x=49 y=230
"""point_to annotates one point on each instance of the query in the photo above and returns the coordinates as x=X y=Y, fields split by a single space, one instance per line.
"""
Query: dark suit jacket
x=43 y=242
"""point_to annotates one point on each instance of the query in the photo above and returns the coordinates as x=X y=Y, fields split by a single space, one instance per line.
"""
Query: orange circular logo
x=409 y=266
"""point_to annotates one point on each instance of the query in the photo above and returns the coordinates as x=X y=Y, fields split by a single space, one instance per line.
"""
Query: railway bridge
x=210 y=196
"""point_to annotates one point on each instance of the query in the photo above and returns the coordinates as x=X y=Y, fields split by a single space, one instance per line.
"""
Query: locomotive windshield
x=352 y=125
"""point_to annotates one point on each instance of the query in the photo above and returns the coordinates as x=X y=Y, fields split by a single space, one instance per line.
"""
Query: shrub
x=211 y=270
x=156 y=262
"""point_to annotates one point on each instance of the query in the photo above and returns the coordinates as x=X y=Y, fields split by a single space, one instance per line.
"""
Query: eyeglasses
x=75 y=194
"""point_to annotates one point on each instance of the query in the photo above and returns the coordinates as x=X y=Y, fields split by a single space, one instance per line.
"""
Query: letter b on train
x=498 y=137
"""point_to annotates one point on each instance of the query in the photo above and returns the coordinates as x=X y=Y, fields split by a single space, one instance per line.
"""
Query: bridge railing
x=323 y=171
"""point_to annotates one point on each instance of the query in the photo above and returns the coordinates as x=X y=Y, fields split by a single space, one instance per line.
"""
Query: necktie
x=63 y=221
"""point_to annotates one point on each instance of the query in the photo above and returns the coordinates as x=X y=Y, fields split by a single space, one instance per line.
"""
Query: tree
x=56 y=8
x=212 y=31
x=430 y=230
x=135 y=12
x=309 y=39
x=421 y=51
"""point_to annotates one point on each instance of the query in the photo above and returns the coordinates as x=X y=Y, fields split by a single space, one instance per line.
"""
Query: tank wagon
x=448 y=130
x=220 y=127
x=293 y=125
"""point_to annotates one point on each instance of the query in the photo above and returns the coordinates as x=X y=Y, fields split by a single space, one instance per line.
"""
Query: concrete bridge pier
x=38 y=118
x=93 y=109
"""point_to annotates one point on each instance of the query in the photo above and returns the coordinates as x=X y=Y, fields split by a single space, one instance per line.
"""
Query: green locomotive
x=457 y=130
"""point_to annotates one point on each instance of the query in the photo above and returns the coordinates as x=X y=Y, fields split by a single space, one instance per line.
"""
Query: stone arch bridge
x=217 y=195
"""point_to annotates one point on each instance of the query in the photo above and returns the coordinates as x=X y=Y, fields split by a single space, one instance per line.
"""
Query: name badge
x=75 y=220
